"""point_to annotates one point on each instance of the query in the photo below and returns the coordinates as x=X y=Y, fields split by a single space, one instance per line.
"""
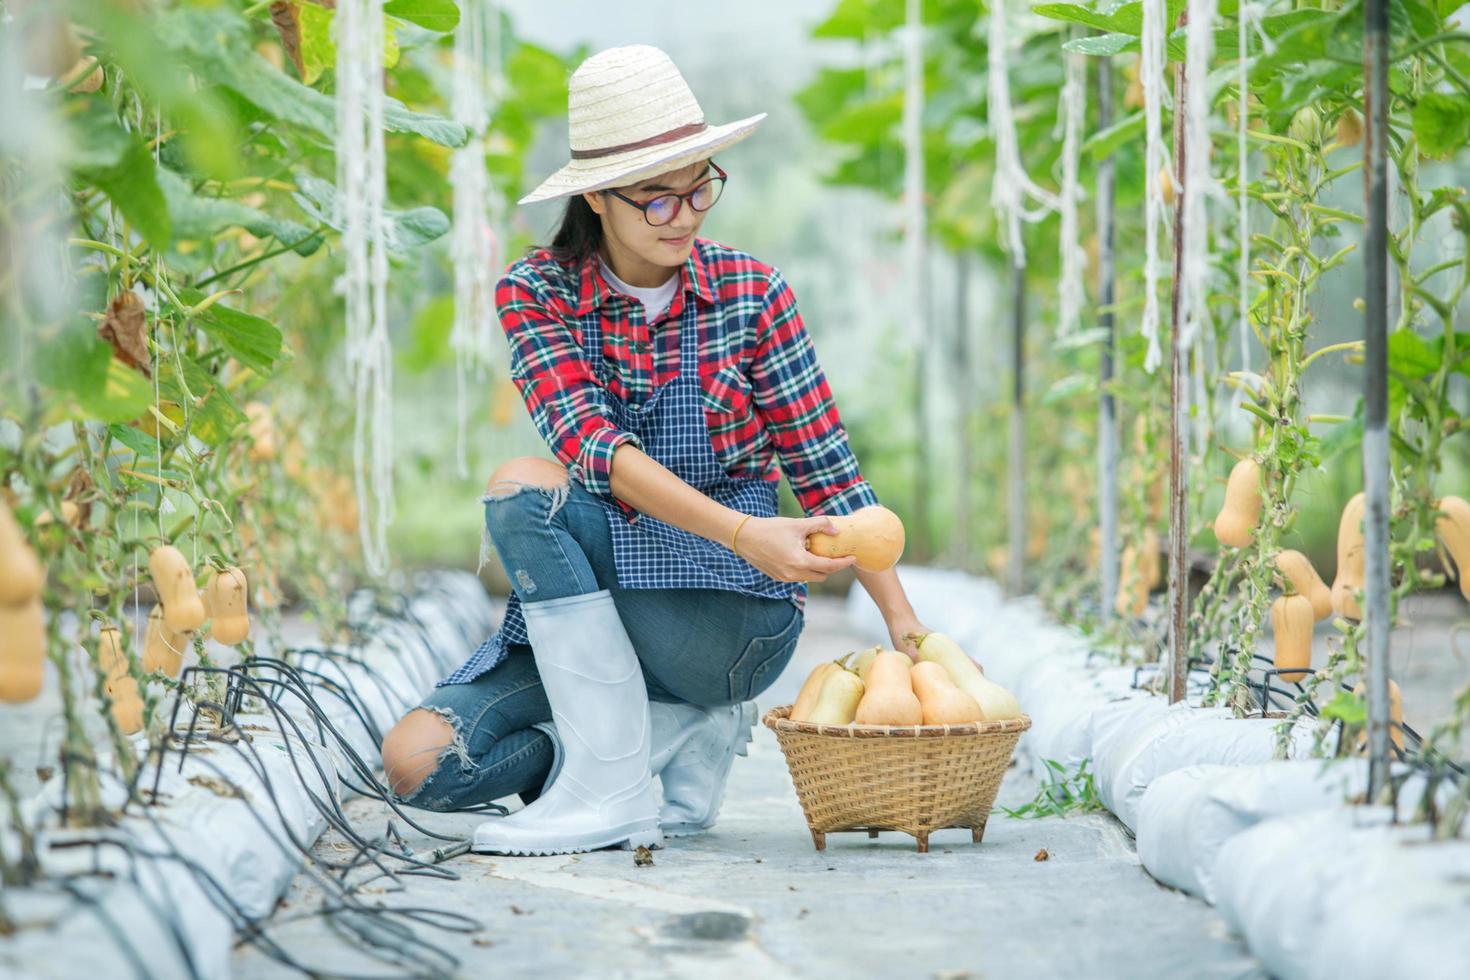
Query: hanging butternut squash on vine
x=1349 y=579
x=1297 y=569
x=173 y=580
x=21 y=574
x=1453 y=525
x=1235 y=525
x=122 y=689
x=163 y=648
x=1291 y=622
x=22 y=651
x=229 y=617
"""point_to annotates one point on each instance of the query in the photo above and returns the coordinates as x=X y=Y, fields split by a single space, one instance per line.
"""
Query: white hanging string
x=1011 y=187
x=472 y=242
x=1242 y=169
x=1199 y=180
x=1156 y=159
x=361 y=189
x=1072 y=291
x=913 y=164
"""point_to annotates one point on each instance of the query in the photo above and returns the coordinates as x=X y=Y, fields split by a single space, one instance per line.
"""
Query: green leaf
x=1410 y=356
x=406 y=229
x=1076 y=14
x=78 y=366
x=540 y=80
x=318 y=52
x=216 y=45
x=1348 y=708
x=251 y=340
x=213 y=414
x=865 y=122
x=1442 y=123
x=435 y=15
x=1102 y=45
x=119 y=164
x=135 y=440
x=1103 y=143
x=856 y=20
x=201 y=218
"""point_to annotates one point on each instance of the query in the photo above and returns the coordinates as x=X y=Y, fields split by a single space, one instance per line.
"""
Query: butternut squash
x=1453 y=526
x=888 y=696
x=1140 y=572
x=1291 y=621
x=229 y=617
x=21 y=574
x=122 y=689
x=874 y=534
x=995 y=702
x=838 y=700
x=163 y=649
x=806 y=699
x=173 y=580
x=863 y=661
x=1349 y=578
x=71 y=515
x=1349 y=128
x=22 y=651
x=1235 y=525
x=1395 y=714
x=1296 y=569
x=943 y=703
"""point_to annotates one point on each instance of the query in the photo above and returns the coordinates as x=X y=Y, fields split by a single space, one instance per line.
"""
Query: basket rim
x=776 y=719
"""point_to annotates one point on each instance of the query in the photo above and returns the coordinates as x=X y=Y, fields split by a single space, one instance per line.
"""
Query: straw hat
x=632 y=117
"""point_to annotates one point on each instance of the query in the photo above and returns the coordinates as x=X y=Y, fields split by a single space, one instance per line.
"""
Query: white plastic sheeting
x=240 y=815
x=1316 y=888
x=1340 y=893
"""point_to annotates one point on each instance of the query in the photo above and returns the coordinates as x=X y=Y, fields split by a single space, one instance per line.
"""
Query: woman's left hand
x=899 y=629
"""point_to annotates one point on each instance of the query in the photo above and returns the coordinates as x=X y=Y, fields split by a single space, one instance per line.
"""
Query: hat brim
x=581 y=176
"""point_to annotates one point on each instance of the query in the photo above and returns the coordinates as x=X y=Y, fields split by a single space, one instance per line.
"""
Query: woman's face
x=631 y=240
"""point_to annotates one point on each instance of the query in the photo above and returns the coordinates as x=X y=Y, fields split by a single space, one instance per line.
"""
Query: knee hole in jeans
x=415 y=747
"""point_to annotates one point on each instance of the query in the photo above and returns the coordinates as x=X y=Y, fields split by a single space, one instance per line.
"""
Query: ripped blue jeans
x=700 y=646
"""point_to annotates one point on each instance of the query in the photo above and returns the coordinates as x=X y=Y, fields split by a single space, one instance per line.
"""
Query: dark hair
x=580 y=233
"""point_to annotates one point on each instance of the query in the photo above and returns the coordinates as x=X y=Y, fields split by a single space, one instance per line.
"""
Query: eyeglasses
x=665 y=208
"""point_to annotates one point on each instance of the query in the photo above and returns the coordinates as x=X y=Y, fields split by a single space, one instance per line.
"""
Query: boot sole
x=628 y=841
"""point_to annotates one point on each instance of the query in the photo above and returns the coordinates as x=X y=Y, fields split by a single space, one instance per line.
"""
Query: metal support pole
x=1375 y=387
x=1016 y=556
x=1178 y=393
x=965 y=398
x=1107 y=418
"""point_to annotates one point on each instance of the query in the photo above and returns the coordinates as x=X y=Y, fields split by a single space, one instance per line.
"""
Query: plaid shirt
x=765 y=399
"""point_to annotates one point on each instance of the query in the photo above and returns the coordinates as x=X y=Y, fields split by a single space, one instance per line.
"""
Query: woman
x=655 y=590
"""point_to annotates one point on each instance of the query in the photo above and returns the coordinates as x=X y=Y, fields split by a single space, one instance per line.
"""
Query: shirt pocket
x=726 y=393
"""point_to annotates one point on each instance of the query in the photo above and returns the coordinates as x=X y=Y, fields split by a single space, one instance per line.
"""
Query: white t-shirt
x=655 y=299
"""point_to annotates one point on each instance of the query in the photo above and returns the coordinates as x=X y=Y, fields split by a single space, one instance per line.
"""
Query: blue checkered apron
x=648 y=553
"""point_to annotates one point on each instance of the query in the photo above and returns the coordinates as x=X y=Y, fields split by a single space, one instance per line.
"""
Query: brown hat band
x=692 y=129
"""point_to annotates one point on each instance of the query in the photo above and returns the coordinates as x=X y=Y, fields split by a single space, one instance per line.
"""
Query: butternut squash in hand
x=996 y=703
x=1349 y=579
x=122 y=689
x=806 y=699
x=21 y=574
x=173 y=579
x=1291 y=620
x=1297 y=570
x=943 y=703
x=1453 y=525
x=874 y=534
x=163 y=649
x=22 y=651
x=1235 y=525
x=888 y=696
x=229 y=617
x=838 y=700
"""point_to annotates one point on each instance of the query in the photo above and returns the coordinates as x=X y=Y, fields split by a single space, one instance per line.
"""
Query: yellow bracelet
x=736 y=533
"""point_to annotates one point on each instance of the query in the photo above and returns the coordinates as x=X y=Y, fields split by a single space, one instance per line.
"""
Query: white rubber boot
x=693 y=749
x=603 y=794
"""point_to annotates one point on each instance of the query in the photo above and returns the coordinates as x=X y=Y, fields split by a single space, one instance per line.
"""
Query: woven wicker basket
x=914 y=779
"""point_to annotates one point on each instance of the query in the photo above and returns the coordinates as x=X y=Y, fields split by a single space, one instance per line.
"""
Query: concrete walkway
x=753 y=898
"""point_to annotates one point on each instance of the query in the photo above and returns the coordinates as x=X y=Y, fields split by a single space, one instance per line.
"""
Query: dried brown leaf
x=287 y=18
x=126 y=329
x=1042 y=855
x=642 y=857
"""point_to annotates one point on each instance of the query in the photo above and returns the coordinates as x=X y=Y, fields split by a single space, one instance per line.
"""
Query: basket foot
x=820 y=840
x=977 y=834
x=923 y=843
x=872 y=835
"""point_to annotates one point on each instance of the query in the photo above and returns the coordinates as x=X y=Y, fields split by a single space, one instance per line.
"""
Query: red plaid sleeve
x=567 y=402
x=796 y=407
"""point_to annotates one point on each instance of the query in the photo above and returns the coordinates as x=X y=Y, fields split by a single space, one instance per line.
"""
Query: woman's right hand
x=777 y=546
